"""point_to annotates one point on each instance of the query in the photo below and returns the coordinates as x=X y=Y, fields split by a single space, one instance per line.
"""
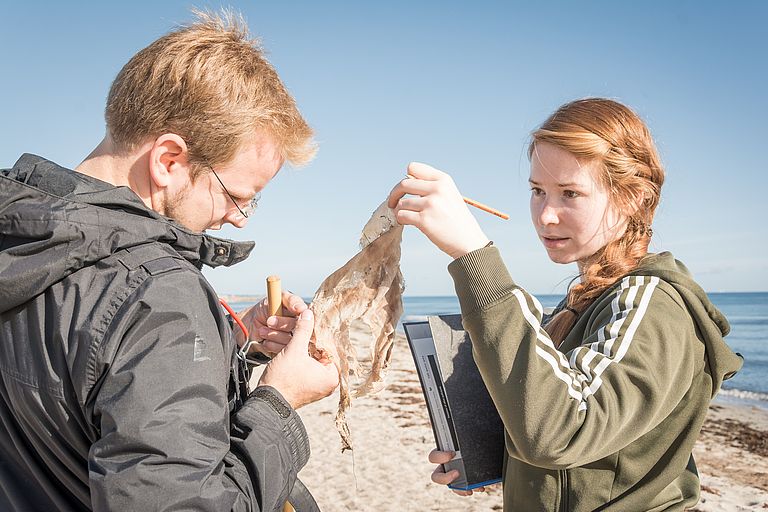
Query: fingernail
x=272 y=321
x=306 y=315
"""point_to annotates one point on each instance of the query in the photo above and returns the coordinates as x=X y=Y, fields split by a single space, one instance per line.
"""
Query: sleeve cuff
x=480 y=278
x=268 y=401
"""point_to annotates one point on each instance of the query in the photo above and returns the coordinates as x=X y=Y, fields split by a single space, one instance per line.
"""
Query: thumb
x=302 y=333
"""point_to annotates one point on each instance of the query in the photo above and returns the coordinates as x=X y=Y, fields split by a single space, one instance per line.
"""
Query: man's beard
x=172 y=206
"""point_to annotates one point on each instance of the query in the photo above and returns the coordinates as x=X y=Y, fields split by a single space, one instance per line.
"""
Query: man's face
x=204 y=204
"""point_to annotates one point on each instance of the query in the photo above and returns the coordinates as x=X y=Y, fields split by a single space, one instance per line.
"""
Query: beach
x=732 y=457
x=391 y=435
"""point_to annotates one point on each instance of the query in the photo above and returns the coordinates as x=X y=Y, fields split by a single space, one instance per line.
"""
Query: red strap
x=235 y=318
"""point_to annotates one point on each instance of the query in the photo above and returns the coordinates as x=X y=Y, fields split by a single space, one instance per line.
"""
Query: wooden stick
x=275 y=307
x=274 y=296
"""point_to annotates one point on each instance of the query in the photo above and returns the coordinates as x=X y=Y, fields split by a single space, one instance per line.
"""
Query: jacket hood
x=712 y=325
x=54 y=221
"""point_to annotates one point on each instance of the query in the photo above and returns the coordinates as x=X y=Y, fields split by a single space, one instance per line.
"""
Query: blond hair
x=209 y=83
x=611 y=136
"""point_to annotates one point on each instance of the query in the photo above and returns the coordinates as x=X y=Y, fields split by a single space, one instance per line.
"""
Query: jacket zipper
x=565 y=505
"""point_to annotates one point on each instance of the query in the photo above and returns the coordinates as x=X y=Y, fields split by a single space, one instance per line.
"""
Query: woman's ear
x=168 y=160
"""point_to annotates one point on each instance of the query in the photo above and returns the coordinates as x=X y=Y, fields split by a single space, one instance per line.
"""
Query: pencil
x=486 y=208
x=481 y=206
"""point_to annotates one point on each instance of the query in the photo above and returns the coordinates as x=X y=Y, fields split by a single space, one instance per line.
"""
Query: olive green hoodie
x=607 y=420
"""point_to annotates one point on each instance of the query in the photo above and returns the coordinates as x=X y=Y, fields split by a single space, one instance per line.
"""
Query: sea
x=746 y=312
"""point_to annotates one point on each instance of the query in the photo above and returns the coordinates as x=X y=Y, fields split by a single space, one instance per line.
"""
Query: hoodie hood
x=712 y=325
x=54 y=221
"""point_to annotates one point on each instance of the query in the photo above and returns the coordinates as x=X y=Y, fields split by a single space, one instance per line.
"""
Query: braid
x=616 y=260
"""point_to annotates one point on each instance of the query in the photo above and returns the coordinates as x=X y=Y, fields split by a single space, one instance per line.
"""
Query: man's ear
x=168 y=160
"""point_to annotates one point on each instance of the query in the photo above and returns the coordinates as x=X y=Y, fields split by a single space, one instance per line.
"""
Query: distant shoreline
x=241 y=298
x=234 y=297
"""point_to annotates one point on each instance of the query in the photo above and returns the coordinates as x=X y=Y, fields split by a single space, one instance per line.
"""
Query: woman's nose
x=548 y=214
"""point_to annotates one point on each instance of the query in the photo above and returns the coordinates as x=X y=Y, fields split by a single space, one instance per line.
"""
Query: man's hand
x=273 y=332
x=299 y=377
x=436 y=207
x=439 y=476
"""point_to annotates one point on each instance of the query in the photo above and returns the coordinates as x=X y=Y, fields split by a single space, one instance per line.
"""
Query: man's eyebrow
x=244 y=197
x=235 y=194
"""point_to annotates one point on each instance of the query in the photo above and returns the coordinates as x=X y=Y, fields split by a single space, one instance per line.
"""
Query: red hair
x=606 y=133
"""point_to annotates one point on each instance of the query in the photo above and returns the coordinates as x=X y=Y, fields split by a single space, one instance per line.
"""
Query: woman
x=601 y=402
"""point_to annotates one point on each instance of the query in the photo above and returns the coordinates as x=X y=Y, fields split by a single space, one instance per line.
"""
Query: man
x=120 y=388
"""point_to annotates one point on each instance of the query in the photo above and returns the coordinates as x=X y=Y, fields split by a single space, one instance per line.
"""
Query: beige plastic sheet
x=366 y=292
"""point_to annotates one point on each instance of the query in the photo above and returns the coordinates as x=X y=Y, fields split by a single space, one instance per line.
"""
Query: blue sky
x=459 y=85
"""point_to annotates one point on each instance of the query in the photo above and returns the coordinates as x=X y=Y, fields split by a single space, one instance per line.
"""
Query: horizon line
x=229 y=296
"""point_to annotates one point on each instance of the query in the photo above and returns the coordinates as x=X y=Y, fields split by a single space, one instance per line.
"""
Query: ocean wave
x=744 y=395
x=756 y=321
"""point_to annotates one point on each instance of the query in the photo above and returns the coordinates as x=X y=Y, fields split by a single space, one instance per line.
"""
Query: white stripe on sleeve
x=583 y=378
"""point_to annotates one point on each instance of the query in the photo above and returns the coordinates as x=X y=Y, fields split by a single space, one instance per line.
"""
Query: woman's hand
x=436 y=207
x=273 y=332
x=439 y=476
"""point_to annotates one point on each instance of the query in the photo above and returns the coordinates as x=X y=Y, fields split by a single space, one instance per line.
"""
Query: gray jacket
x=119 y=387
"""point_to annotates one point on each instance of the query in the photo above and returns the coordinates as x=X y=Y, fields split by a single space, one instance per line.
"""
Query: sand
x=732 y=457
x=391 y=434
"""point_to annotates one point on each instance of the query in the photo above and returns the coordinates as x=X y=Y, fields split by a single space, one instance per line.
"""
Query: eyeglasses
x=247 y=210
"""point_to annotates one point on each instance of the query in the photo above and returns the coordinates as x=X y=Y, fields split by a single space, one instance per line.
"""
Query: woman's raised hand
x=429 y=200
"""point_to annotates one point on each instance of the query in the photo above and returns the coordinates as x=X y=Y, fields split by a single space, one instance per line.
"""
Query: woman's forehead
x=551 y=164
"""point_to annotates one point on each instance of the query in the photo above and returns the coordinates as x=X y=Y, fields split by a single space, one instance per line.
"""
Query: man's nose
x=236 y=219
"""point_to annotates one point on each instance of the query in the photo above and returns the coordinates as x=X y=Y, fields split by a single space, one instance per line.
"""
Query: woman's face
x=570 y=209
